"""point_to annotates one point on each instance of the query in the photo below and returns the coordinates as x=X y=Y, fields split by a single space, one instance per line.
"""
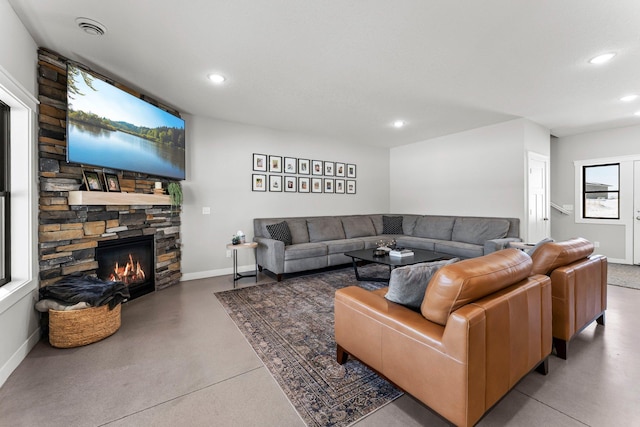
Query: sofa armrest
x=495 y=245
x=270 y=254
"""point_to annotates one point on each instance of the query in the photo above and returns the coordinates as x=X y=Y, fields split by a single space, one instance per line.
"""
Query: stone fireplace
x=75 y=225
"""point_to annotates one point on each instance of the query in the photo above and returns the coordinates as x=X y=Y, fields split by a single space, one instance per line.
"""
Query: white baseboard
x=19 y=356
x=215 y=273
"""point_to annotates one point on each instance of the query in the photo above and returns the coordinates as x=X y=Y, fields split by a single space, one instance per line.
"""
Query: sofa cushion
x=408 y=284
x=280 y=231
x=392 y=225
x=305 y=250
x=343 y=245
x=358 y=226
x=409 y=223
x=461 y=283
x=459 y=249
x=537 y=245
x=434 y=227
x=325 y=228
x=553 y=255
x=298 y=228
x=478 y=230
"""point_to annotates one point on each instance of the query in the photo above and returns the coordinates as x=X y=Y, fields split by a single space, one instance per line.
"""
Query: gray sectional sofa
x=318 y=242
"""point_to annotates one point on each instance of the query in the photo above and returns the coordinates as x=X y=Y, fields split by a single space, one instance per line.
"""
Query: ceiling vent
x=90 y=26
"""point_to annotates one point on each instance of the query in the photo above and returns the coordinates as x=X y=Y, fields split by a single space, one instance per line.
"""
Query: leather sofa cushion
x=463 y=282
x=326 y=228
x=358 y=226
x=408 y=284
x=478 y=230
x=434 y=227
x=552 y=255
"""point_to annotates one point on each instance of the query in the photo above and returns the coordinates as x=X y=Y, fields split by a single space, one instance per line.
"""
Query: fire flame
x=130 y=273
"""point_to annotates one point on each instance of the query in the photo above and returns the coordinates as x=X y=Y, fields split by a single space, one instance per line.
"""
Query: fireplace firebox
x=130 y=260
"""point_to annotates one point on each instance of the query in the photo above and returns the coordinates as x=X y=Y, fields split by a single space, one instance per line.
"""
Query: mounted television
x=111 y=128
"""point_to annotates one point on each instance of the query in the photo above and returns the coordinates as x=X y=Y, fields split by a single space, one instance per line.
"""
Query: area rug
x=624 y=275
x=290 y=326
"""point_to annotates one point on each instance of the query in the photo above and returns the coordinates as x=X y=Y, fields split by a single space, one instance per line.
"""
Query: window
x=5 y=233
x=601 y=191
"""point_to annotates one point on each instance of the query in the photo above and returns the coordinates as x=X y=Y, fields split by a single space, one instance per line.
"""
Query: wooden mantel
x=104 y=198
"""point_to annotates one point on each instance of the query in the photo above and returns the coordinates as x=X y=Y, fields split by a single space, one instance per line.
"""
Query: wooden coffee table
x=419 y=255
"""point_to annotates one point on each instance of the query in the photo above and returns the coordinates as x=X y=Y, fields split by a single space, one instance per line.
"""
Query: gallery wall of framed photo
x=299 y=175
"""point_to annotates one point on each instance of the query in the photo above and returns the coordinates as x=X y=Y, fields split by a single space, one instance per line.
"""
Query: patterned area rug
x=624 y=275
x=290 y=326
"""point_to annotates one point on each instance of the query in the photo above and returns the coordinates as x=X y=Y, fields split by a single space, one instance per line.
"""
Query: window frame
x=585 y=192
x=5 y=195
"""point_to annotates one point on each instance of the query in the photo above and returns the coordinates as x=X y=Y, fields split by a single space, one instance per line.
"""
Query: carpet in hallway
x=624 y=275
x=290 y=325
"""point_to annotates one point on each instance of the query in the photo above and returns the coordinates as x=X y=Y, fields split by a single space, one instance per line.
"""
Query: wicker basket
x=75 y=328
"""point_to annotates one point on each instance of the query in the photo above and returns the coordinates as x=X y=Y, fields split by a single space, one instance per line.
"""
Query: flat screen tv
x=111 y=128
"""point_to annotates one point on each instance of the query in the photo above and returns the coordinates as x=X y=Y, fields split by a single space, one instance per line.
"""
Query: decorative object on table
x=111 y=182
x=380 y=252
x=259 y=182
x=240 y=236
x=175 y=195
x=92 y=180
x=275 y=164
x=259 y=162
x=275 y=183
x=157 y=189
x=304 y=167
x=400 y=252
x=290 y=165
x=235 y=240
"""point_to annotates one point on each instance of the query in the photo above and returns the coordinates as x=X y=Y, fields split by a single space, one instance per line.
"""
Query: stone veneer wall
x=68 y=235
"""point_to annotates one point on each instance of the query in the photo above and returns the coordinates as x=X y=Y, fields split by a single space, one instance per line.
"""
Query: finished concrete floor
x=179 y=360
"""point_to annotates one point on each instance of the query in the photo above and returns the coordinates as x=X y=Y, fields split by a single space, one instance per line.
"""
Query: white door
x=538 y=226
x=636 y=212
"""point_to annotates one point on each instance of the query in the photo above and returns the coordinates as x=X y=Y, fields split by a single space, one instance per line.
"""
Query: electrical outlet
x=596 y=244
x=228 y=253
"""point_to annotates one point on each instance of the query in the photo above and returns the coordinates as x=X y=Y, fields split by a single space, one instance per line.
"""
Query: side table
x=237 y=276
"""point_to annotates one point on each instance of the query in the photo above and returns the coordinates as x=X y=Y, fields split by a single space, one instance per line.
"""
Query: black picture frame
x=340 y=186
x=341 y=169
x=316 y=185
x=290 y=184
x=259 y=162
x=351 y=186
x=316 y=167
x=275 y=183
x=351 y=170
x=304 y=166
x=92 y=180
x=304 y=185
x=290 y=165
x=329 y=185
x=111 y=182
x=329 y=168
x=258 y=182
x=275 y=164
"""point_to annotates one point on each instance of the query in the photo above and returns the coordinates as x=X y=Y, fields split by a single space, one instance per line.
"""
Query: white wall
x=615 y=239
x=477 y=172
x=19 y=330
x=219 y=169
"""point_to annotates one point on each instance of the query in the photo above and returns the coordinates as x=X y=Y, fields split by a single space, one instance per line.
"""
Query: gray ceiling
x=347 y=69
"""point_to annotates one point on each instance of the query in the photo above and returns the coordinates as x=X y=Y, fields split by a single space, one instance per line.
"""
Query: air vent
x=90 y=26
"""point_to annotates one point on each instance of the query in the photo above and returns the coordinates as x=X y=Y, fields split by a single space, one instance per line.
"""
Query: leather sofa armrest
x=495 y=245
x=270 y=254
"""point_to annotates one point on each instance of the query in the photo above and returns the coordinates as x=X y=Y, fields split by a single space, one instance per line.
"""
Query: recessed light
x=217 y=78
x=601 y=59
x=399 y=123
x=629 y=98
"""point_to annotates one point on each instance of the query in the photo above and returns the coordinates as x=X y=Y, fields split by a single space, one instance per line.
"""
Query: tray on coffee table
x=367 y=255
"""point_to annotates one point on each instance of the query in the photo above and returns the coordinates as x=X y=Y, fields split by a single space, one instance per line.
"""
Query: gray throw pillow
x=392 y=225
x=408 y=285
x=537 y=245
x=280 y=231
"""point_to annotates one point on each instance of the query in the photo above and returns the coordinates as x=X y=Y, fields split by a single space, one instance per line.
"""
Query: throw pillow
x=408 y=285
x=280 y=231
x=392 y=225
x=537 y=245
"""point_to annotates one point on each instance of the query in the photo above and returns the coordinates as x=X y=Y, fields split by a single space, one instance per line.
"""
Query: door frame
x=531 y=155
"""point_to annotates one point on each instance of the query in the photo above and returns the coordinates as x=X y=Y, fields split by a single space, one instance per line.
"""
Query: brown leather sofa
x=484 y=324
x=579 y=287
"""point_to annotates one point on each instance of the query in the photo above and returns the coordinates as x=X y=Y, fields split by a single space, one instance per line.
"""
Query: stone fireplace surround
x=69 y=231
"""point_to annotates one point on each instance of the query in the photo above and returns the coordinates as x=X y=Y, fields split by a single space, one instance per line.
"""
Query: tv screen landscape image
x=111 y=128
